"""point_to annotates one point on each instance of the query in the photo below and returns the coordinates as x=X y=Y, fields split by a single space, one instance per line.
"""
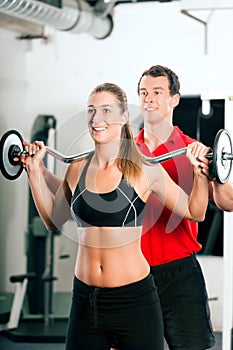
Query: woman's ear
x=125 y=117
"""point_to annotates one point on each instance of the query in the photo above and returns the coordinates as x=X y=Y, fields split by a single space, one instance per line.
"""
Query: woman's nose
x=97 y=117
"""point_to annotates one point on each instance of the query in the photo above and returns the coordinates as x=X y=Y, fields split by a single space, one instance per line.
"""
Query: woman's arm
x=53 y=209
x=192 y=207
x=53 y=181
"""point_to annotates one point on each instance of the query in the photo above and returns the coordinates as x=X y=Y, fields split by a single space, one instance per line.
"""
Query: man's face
x=155 y=99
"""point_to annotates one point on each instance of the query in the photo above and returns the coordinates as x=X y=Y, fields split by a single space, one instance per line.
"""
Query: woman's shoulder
x=150 y=168
x=153 y=173
x=74 y=172
x=78 y=164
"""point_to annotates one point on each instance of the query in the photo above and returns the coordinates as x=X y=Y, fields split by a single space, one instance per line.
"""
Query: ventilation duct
x=75 y=16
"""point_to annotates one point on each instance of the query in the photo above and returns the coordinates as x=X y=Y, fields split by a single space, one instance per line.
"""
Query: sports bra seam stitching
x=131 y=206
x=80 y=193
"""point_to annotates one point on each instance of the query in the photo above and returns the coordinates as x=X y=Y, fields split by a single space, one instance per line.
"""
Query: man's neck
x=155 y=135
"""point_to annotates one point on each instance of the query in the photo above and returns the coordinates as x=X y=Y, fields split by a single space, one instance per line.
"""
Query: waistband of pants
x=144 y=285
x=130 y=287
x=171 y=264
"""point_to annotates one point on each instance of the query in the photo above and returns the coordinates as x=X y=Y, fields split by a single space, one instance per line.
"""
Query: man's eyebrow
x=154 y=88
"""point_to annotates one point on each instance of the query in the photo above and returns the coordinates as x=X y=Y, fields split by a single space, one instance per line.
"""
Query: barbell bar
x=12 y=148
x=221 y=156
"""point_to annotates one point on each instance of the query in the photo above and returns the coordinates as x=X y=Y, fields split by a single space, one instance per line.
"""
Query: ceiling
x=28 y=18
x=14 y=17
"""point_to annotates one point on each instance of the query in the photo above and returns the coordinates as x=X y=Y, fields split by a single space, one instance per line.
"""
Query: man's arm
x=222 y=195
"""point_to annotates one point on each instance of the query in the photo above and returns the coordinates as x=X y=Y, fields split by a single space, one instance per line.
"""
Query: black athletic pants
x=131 y=312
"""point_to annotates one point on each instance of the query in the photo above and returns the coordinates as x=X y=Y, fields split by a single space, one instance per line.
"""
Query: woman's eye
x=90 y=111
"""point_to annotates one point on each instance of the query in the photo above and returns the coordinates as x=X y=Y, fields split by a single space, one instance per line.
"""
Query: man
x=169 y=243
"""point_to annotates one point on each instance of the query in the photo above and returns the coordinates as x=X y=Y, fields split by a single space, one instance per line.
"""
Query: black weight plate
x=222 y=167
x=10 y=170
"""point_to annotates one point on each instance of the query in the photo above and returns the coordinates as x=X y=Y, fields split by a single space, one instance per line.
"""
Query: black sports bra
x=119 y=208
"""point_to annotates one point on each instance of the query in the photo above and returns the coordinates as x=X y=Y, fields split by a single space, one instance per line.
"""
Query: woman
x=113 y=291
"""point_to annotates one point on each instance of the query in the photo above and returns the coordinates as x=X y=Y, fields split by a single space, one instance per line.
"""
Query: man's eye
x=106 y=110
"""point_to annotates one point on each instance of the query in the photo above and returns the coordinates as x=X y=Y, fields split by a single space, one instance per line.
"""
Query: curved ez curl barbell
x=12 y=148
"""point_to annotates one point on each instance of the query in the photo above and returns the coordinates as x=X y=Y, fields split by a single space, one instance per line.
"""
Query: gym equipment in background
x=39 y=321
x=10 y=319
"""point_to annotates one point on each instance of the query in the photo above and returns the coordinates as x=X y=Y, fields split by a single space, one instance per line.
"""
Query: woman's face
x=105 y=118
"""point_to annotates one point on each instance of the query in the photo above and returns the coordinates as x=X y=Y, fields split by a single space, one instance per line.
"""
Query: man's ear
x=175 y=100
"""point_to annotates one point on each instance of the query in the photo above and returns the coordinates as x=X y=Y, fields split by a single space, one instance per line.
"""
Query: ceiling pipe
x=75 y=16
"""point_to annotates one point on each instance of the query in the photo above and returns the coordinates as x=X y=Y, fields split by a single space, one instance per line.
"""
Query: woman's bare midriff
x=110 y=256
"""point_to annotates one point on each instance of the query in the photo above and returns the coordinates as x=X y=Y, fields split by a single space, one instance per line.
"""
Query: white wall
x=56 y=78
x=212 y=267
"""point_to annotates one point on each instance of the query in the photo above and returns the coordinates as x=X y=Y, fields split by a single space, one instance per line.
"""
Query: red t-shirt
x=166 y=236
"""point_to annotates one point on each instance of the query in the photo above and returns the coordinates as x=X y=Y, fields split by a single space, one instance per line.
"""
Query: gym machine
x=10 y=319
x=39 y=323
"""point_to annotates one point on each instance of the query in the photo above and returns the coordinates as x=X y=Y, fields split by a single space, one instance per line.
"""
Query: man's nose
x=149 y=97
